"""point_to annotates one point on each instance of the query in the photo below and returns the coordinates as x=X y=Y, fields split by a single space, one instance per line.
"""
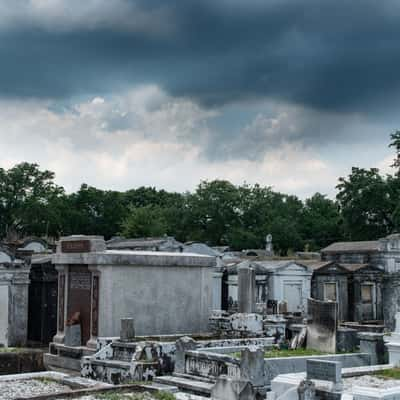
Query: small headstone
x=282 y=307
x=227 y=388
x=325 y=371
x=127 y=329
x=73 y=336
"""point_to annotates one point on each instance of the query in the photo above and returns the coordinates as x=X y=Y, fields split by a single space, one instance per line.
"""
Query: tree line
x=367 y=206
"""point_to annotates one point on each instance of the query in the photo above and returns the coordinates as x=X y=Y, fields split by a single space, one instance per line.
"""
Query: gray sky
x=122 y=93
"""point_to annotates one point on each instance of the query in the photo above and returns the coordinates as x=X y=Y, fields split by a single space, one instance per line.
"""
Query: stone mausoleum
x=371 y=288
x=14 y=283
x=165 y=293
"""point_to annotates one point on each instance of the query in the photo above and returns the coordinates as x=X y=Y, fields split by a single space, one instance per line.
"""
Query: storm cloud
x=284 y=92
x=335 y=55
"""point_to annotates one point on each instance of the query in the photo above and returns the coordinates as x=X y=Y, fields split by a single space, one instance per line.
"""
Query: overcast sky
x=123 y=93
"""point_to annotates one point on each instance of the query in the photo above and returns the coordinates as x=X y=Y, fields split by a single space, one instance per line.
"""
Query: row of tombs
x=42 y=288
x=202 y=323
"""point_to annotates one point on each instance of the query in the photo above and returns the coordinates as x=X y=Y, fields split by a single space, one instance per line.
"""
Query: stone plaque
x=75 y=246
x=324 y=370
x=321 y=329
x=80 y=280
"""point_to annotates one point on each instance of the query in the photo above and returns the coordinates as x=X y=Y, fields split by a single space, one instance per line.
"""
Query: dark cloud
x=331 y=55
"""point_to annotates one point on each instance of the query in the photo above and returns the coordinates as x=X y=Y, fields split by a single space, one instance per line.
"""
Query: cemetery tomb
x=165 y=293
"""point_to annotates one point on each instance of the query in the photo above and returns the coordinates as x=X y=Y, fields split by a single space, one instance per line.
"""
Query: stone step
x=195 y=377
x=112 y=363
x=185 y=384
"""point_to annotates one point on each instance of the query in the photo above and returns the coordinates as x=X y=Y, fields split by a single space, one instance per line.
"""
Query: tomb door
x=368 y=301
x=79 y=298
x=225 y=291
x=292 y=294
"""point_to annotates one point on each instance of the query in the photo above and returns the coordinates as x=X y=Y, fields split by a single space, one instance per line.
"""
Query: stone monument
x=268 y=245
x=322 y=325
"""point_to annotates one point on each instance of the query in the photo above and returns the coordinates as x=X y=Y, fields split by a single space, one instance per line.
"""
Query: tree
x=27 y=198
x=145 y=221
x=96 y=212
x=214 y=211
x=321 y=222
x=395 y=142
x=366 y=204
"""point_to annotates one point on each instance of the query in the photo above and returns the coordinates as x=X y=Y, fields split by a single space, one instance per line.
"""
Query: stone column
x=246 y=288
x=217 y=290
x=94 y=312
x=61 y=303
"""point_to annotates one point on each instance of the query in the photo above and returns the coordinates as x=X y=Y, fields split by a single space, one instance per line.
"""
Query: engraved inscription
x=80 y=280
x=76 y=246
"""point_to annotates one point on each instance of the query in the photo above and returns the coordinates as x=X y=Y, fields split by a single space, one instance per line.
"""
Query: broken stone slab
x=252 y=365
x=183 y=344
x=227 y=388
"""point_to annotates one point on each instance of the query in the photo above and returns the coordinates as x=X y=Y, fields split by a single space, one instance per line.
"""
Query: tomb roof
x=353 y=247
x=357 y=267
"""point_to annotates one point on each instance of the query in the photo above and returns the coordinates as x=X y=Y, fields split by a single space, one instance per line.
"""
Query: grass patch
x=137 y=396
x=46 y=381
x=393 y=373
x=12 y=349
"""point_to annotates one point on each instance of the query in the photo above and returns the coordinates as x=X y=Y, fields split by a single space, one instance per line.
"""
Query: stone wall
x=161 y=299
x=21 y=361
x=14 y=281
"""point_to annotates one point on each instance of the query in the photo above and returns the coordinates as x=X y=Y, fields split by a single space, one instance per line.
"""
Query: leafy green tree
x=27 y=198
x=321 y=222
x=145 y=221
x=214 y=211
x=96 y=212
x=395 y=142
x=366 y=204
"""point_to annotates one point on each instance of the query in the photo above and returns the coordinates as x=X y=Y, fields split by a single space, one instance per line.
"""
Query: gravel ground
x=369 y=381
x=11 y=390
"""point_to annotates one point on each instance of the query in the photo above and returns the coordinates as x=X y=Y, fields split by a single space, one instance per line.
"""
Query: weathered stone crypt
x=165 y=293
